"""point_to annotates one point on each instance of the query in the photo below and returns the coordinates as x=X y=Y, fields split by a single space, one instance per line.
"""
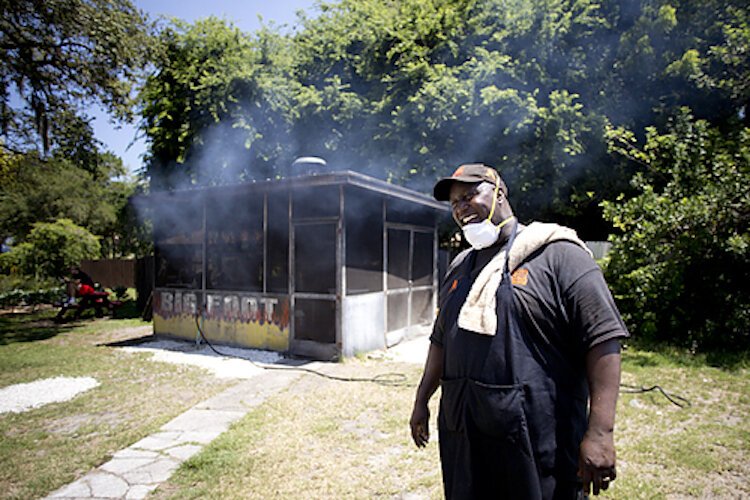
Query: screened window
x=421 y=306
x=234 y=242
x=398 y=258
x=423 y=259
x=398 y=311
x=277 y=254
x=315 y=319
x=364 y=241
x=315 y=201
x=405 y=212
x=315 y=258
x=178 y=242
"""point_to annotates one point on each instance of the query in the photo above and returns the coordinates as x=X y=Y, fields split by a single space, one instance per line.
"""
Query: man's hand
x=420 y=415
x=596 y=462
x=419 y=423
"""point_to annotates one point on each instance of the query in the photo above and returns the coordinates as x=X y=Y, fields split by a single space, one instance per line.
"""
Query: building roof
x=346 y=177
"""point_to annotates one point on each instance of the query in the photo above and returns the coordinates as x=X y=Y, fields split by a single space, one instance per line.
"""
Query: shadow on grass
x=650 y=354
x=127 y=310
x=28 y=326
x=640 y=358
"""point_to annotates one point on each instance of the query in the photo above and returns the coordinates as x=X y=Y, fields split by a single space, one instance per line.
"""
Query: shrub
x=680 y=266
x=21 y=297
x=121 y=292
x=50 y=249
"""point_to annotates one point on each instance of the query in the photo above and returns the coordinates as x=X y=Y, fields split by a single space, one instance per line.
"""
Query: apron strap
x=499 y=365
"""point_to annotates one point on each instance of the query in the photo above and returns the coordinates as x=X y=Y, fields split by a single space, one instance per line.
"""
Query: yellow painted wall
x=252 y=327
x=244 y=334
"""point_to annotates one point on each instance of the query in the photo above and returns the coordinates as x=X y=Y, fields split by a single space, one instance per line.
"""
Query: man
x=81 y=286
x=527 y=333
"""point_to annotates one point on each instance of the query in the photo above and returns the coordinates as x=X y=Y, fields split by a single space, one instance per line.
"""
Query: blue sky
x=244 y=14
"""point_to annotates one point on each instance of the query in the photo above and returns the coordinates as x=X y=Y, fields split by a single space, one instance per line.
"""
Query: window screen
x=421 y=307
x=315 y=201
x=364 y=240
x=405 y=212
x=178 y=242
x=398 y=310
x=315 y=319
x=423 y=259
x=234 y=242
x=315 y=258
x=278 y=242
x=398 y=258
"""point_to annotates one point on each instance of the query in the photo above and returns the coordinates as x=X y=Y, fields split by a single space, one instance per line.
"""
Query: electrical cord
x=673 y=398
x=389 y=379
x=399 y=379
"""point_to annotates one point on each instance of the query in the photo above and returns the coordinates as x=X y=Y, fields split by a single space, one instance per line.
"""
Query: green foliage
x=60 y=56
x=19 y=297
x=215 y=100
x=406 y=90
x=121 y=292
x=36 y=190
x=26 y=290
x=51 y=249
x=33 y=190
x=681 y=265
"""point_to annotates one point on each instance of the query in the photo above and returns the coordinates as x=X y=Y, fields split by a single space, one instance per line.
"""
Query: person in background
x=526 y=350
x=80 y=291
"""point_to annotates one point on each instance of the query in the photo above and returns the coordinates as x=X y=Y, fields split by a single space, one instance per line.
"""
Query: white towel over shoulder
x=478 y=312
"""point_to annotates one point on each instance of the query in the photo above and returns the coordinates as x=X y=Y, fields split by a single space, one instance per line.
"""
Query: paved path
x=139 y=469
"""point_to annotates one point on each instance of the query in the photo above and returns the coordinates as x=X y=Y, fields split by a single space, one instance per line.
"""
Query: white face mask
x=483 y=234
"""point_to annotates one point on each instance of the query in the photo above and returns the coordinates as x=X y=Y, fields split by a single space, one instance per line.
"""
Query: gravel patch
x=240 y=365
x=18 y=398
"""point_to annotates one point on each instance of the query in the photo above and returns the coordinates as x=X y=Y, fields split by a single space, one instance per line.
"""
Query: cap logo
x=459 y=171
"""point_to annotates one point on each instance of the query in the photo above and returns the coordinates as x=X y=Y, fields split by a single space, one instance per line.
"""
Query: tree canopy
x=681 y=264
x=33 y=189
x=59 y=56
x=50 y=249
x=408 y=89
x=57 y=59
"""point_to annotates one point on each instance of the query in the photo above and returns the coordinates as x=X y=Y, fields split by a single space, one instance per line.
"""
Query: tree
x=58 y=56
x=408 y=89
x=50 y=249
x=33 y=190
x=130 y=233
x=215 y=106
x=681 y=263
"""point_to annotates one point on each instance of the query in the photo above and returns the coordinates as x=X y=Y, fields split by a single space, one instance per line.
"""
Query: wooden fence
x=111 y=272
x=132 y=273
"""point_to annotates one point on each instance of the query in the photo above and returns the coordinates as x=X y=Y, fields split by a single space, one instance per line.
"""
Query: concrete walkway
x=139 y=469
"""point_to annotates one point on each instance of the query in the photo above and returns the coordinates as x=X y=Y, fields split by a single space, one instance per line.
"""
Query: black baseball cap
x=469 y=173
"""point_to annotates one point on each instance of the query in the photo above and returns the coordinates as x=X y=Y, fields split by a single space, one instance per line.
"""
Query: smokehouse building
x=320 y=265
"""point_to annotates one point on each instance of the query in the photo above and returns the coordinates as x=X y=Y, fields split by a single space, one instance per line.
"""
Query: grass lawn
x=48 y=447
x=328 y=439
x=322 y=438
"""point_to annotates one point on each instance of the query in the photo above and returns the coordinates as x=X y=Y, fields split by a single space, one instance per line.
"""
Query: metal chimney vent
x=306 y=165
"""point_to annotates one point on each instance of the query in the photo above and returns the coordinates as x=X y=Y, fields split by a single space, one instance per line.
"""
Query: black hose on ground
x=390 y=379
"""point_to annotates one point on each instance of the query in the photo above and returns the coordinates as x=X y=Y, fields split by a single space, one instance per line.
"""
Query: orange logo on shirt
x=520 y=277
x=453 y=285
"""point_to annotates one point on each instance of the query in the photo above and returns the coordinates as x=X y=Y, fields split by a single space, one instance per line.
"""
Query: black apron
x=497 y=419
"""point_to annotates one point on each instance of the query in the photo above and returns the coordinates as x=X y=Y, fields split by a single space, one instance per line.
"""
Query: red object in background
x=84 y=290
